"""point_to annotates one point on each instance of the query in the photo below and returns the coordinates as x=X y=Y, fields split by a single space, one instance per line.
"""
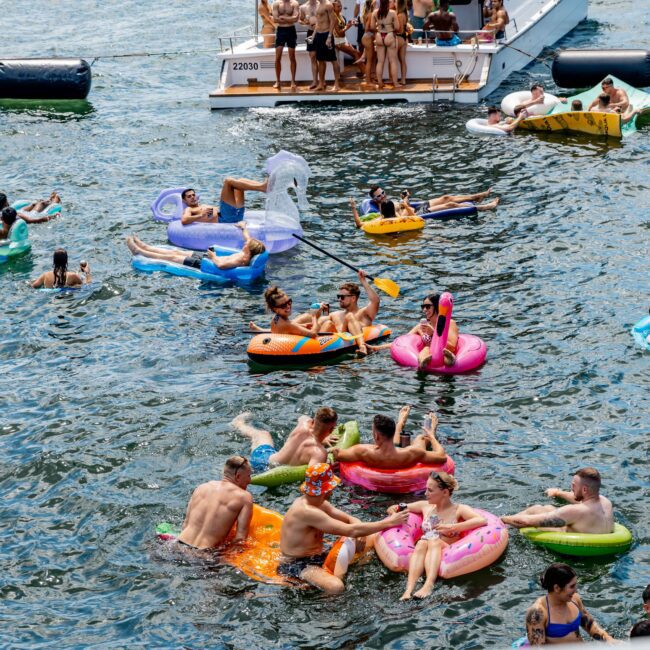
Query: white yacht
x=465 y=73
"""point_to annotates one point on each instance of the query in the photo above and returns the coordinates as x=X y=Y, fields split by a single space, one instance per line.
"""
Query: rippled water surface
x=116 y=399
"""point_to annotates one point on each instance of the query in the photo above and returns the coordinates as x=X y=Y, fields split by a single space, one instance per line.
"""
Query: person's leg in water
x=258 y=437
x=156 y=253
x=232 y=191
x=416 y=568
x=323 y=580
x=431 y=567
x=424 y=356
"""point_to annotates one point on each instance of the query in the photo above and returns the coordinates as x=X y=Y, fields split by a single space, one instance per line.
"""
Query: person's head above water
x=576 y=105
x=348 y=295
x=494 y=115
x=60 y=266
x=278 y=301
x=383 y=428
x=237 y=470
x=190 y=197
x=325 y=420
x=536 y=90
x=387 y=209
x=430 y=305
x=9 y=216
x=439 y=486
x=4 y=203
x=255 y=246
x=377 y=194
x=603 y=100
x=607 y=85
x=586 y=484
x=559 y=578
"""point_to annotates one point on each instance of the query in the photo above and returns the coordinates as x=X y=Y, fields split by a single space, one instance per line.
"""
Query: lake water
x=117 y=399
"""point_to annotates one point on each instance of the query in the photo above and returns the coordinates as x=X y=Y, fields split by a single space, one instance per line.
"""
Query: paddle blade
x=387 y=286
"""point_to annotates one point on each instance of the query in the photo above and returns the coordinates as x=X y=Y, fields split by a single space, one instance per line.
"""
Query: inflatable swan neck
x=441 y=333
x=287 y=171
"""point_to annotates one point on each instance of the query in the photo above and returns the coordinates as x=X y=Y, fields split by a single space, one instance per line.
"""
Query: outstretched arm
x=589 y=624
x=515 y=123
x=29 y=219
x=559 y=518
x=373 y=297
x=355 y=213
x=557 y=493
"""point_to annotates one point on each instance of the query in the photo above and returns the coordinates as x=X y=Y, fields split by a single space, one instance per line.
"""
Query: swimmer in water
x=59 y=276
x=250 y=248
x=508 y=125
x=34 y=207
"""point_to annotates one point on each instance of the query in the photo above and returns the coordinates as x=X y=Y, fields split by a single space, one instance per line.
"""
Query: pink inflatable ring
x=475 y=550
x=393 y=481
x=470 y=351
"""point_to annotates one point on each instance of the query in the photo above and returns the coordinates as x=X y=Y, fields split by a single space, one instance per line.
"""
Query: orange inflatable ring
x=392 y=481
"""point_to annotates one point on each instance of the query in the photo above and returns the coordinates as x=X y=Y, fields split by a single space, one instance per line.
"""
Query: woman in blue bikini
x=558 y=616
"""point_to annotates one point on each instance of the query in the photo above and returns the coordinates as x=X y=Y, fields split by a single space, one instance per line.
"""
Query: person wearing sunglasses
x=442 y=523
x=280 y=304
x=216 y=506
x=427 y=326
x=617 y=96
x=384 y=453
x=305 y=445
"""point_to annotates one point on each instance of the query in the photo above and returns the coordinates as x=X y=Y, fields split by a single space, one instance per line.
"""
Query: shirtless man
x=421 y=9
x=231 y=207
x=508 y=124
x=445 y=24
x=324 y=44
x=604 y=106
x=385 y=454
x=536 y=97
x=498 y=20
x=251 y=248
x=285 y=16
x=308 y=17
x=587 y=512
x=617 y=97
x=444 y=202
x=216 y=505
x=304 y=446
x=309 y=518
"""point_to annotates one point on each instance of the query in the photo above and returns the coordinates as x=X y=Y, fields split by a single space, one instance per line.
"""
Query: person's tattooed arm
x=536 y=625
x=588 y=623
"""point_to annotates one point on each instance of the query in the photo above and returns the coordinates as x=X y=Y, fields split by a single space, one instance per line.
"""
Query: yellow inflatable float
x=375 y=224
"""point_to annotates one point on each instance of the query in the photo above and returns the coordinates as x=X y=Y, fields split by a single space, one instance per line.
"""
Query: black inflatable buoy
x=44 y=78
x=581 y=68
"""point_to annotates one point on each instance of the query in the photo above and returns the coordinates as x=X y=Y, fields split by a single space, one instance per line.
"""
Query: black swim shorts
x=286 y=36
x=294 y=567
x=193 y=261
x=324 y=53
x=311 y=47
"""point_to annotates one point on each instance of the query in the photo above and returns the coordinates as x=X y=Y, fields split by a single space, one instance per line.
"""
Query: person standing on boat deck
x=498 y=20
x=445 y=24
x=268 y=26
x=617 y=96
x=308 y=17
x=421 y=9
x=231 y=207
x=285 y=16
x=324 y=42
x=401 y=8
x=385 y=23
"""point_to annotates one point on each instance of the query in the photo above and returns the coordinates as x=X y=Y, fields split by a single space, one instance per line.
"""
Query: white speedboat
x=465 y=73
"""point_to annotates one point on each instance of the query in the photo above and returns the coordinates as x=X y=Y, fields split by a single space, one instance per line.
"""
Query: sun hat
x=319 y=480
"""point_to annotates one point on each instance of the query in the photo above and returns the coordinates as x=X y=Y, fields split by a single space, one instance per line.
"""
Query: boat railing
x=228 y=43
x=476 y=38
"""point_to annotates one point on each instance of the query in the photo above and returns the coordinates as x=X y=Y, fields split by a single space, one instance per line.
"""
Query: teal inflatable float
x=17 y=244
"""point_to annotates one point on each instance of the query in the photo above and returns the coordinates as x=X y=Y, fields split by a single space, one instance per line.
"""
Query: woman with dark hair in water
x=59 y=276
x=558 y=616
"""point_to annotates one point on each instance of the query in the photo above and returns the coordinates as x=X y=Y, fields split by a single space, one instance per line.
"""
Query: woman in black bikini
x=402 y=34
x=368 y=40
x=384 y=22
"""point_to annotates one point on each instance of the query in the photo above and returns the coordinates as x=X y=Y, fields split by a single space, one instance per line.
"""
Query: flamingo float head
x=439 y=338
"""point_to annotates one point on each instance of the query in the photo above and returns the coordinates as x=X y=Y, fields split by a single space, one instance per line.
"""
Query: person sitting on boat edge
x=495 y=119
x=562 y=604
x=617 y=96
x=285 y=17
x=59 y=276
x=305 y=445
x=281 y=305
x=384 y=452
x=588 y=511
x=34 y=207
x=445 y=24
x=215 y=506
x=310 y=517
x=231 y=206
x=250 y=248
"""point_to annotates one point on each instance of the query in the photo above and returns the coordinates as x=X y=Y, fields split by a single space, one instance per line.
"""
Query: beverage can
x=404 y=439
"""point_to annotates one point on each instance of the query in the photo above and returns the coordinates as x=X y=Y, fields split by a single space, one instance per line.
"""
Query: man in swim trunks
x=216 y=505
x=324 y=44
x=231 y=208
x=308 y=17
x=251 y=248
x=508 y=124
x=587 y=512
x=421 y=9
x=618 y=98
x=285 y=16
x=385 y=454
x=304 y=446
x=309 y=518
x=445 y=24
x=444 y=202
x=498 y=20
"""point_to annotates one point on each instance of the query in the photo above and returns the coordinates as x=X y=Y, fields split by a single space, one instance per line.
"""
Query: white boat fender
x=511 y=101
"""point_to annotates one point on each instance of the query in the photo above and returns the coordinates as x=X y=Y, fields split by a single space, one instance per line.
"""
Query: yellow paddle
x=385 y=284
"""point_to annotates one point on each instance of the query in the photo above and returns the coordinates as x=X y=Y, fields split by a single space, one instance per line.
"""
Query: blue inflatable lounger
x=208 y=271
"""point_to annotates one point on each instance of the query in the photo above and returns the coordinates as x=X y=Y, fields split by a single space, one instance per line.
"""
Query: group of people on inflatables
x=423 y=537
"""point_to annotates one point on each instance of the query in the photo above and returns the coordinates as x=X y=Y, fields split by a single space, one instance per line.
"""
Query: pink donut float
x=470 y=351
x=392 y=481
x=475 y=549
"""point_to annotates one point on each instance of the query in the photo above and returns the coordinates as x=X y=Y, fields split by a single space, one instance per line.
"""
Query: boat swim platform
x=351 y=90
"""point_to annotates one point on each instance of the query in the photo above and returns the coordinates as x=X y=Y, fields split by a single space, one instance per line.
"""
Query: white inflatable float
x=480 y=126
x=511 y=101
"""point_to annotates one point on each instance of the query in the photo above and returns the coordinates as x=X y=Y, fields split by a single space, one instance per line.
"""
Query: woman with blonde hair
x=268 y=26
x=442 y=523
